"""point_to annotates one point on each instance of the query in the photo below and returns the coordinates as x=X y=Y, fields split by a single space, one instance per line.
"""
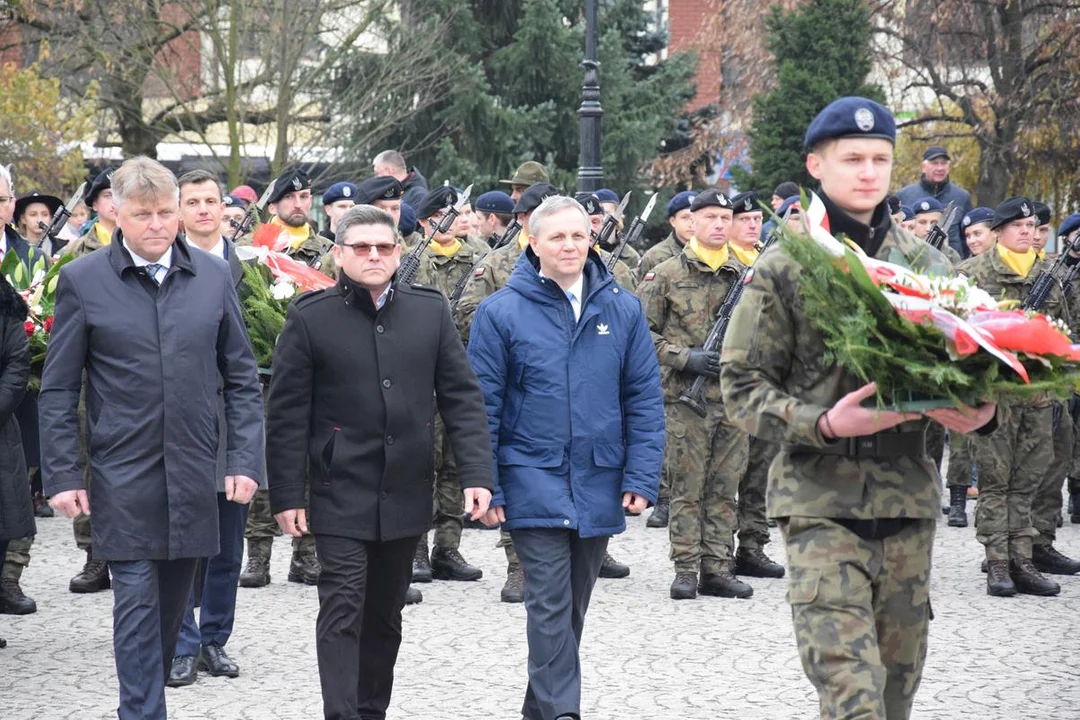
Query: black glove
x=704 y=363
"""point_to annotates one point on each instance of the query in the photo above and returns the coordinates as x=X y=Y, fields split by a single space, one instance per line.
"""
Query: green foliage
x=822 y=52
x=264 y=315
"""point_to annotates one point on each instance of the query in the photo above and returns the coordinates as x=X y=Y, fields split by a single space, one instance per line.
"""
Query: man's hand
x=495 y=516
x=292 y=522
x=635 y=503
x=70 y=503
x=963 y=419
x=240 y=488
x=848 y=418
x=704 y=363
x=476 y=502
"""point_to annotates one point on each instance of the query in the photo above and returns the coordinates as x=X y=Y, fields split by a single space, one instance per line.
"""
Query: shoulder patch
x=748 y=276
x=478 y=272
x=648 y=276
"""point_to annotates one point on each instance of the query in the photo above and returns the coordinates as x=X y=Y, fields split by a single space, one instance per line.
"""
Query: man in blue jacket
x=934 y=182
x=572 y=388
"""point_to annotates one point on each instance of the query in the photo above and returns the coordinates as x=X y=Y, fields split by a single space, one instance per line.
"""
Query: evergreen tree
x=822 y=52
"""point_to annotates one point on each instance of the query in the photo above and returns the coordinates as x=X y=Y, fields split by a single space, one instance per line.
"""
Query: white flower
x=283 y=290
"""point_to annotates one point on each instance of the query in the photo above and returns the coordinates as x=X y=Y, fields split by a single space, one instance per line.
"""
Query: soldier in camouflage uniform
x=290 y=208
x=705 y=457
x=928 y=213
x=381 y=191
x=609 y=202
x=623 y=272
x=1015 y=462
x=852 y=489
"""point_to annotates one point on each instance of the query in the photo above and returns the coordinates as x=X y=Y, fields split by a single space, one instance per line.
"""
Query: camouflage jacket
x=492 y=275
x=682 y=296
x=85 y=244
x=630 y=256
x=777 y=382
x=622 y=272
x=666 y=249
x=444 y=272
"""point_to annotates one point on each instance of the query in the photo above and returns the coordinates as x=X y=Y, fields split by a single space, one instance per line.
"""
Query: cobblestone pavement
x=645 y=656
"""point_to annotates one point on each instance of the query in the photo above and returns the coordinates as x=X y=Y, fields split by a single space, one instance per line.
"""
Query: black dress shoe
x=724 y=584
x=998 y=582
x=12 y=599
x=93 y=578
x=684 y=587
x=612 y=569
x=1030 y=581
x=413 y=596
x=217 y=662
x=660 y=514
x=1047 y=559
x=958 y=506
x=3 y=643
x=447 y=564
x=184 y=671
x=421 y=566
x=753 y=562
x=513 y=591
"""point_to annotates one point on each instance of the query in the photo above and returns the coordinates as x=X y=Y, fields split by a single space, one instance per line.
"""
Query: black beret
x=851 y=117
x=590 y=202
x=531 y=198
x=745 y=202
x=378 y=188
x=436 y=200
x=786 y=189
x=101 y=182
x=1042 y=212
x=710 y=198
x=289 y=181
x=893 y=203
x=1015 y=208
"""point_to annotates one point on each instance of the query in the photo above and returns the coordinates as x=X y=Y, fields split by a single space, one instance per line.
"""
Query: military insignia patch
x=296 y=183
x=649 y=276
x=1024 y=209
x=925 y=206
x=346 y=191
x=748 y=276
x=864 y=119
x=478 y=272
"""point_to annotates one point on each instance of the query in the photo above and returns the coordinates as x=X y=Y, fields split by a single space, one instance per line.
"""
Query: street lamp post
x=590 y=173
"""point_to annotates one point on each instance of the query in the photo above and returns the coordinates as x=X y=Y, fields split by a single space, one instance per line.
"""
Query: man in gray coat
x=157 y=328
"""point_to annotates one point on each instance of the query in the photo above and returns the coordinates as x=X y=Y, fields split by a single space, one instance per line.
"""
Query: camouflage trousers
x=1013 y=463
x=261 y=525
x=959 y=474
x=17 y=558
x=753 y=524
x=449 y=499
x=1046 y=505
x=861 y=610
x=935 y=443
x=706 y=459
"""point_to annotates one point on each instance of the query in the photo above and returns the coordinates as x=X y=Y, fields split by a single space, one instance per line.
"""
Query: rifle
x=938 y=234
x=244 y=226
x=611 y=222
x=1040 y=289
x=637 y=227
x=60 y=217
x=508 y=236
x=694 y=398
x=1073 y=263
x=410 y=264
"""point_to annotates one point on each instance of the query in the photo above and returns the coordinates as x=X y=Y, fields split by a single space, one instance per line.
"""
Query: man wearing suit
x=157 y=328
x=202 y=646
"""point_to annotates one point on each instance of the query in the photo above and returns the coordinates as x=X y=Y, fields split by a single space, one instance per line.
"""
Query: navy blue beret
x=407 y=221
x=710 y=198
x=791 y=203
x=908 y=213
x=1015 y=208
x=976 y=216
x=681 y=201
x=1069 y=225
x=928 y=205
x=606 y=195
x=495 y=201
x=851 y=117
x=231 y=201
x=339 y=191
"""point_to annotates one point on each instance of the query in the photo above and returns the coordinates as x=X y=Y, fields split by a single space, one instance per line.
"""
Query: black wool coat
x=16 y=510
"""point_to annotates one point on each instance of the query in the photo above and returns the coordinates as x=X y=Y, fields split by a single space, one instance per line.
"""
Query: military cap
x=231 y=201
x=407 y=221
x=339 y=191
x=745 y=202
x=976 y=216
x=32 y=197
x=436 y=200
x=607 y=195
x=851 y=117
x=791 y=203
x=935 y=151
x=383 y=187
x=894 y=204
x=928 y=205
x=1015 y=208
x=786 y=189
x=495 y=201
x=1042 y=212
x=1070 y=225
x=531 y=198
x=245 y=193
x=681 y=201
x=590 y=202
x=289 y=181
x=101 y=182
x=710 y=198
x=907 y=212
x=528 y=173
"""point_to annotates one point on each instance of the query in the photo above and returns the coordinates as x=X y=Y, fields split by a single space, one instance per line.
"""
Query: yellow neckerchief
x=746 y=257
x=1040 y=254
x=713 y=258
x=103 y=236
x=445 y=250
x=1019 y=263
x=297 y=235
x=523 y=239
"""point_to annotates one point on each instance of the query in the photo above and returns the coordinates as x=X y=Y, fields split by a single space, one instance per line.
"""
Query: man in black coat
x=157 y=328
x=355 y=373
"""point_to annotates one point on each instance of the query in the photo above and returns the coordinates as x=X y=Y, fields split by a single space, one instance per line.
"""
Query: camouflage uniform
x=626 y=277
x=859 y=526
x=960 y=461
x=1046 y=504
x=84 y=244
x=666 y=249
x=705 y=458
x=753 y=525
x=1014 y=463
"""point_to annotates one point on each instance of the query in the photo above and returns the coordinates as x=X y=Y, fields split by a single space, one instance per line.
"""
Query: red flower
x=29 y=326
x=47 y=325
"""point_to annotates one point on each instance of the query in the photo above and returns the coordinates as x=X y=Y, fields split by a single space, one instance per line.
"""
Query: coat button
x=379 y=329
x=386 y=383
x=389 y=439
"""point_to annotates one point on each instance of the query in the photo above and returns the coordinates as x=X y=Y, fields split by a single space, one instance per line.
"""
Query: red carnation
x=47 y=325
x=29 y=325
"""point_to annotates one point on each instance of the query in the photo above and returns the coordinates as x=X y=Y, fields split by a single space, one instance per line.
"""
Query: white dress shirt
x=574 y=294
x=164 y=261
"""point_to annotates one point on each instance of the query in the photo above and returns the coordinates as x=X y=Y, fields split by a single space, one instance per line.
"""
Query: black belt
x=881 y=445
x=877 y=529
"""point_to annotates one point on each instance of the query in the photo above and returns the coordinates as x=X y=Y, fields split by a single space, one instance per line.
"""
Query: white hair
x=551 y=206
x=5 y=175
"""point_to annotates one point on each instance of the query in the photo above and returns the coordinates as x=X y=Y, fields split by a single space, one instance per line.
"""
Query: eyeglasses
x=364 y=249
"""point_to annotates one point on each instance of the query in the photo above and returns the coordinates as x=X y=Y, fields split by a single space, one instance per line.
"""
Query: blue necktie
x=152 y=270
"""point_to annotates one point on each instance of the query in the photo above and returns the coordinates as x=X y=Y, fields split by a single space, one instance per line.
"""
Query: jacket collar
x=120 y=258
x=868 y=237
x=526 y=279
x=932 y=188
x=357 y=296
x=731 y=265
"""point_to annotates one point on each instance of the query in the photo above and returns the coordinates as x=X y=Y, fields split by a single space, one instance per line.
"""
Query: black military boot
x=421 y=568
x=724 y=584
x=684 y=586
x=93 y=578
x=612 y=569
x=413 y=596
x=958 y=506
x=998 y=581
x=1074 y=508
x=658 y=518
x=257 y=572
x=1030 y=581
x=513 y=590
x=41 y=507
x=753 y=562
x=1047 y=559
x=304 y=568
x=12 y=599
x=447 y=564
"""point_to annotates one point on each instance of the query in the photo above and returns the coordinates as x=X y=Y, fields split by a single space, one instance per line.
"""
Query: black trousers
x=358 y=631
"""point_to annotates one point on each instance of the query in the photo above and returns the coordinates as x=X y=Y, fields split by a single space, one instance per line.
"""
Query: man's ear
x=813 y=165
